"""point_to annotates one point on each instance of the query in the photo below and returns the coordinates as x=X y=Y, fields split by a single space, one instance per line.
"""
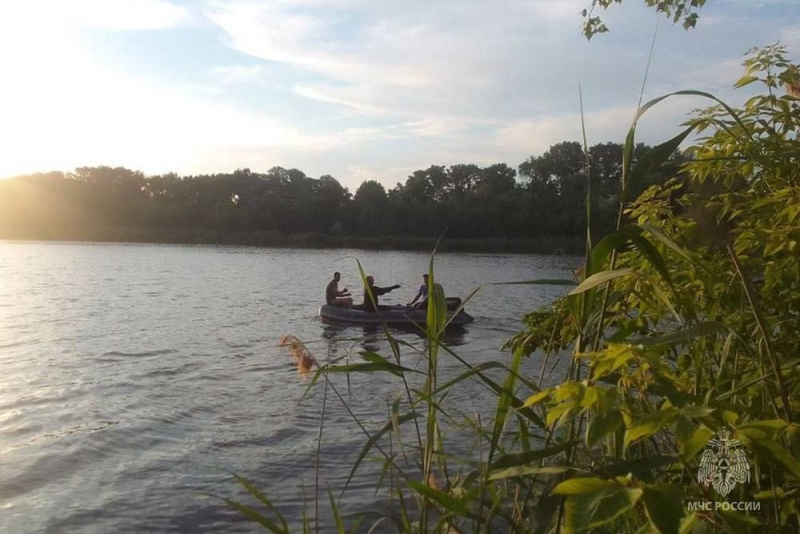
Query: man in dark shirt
x=371 y=293
x=334 y=297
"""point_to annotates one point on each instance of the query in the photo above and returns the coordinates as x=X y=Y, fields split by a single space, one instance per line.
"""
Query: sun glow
x=37 y=56
x=63 y=109
x=60 y=108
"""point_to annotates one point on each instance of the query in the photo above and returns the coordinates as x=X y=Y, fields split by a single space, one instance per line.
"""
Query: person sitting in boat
x=334 y=297
x=451 y=302
x=371 y=293
x=421 y=294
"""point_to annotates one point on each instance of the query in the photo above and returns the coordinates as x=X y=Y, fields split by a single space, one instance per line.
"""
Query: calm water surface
x=134 y=378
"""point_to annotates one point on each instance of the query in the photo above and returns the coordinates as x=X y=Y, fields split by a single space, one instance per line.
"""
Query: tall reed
x=681 y=324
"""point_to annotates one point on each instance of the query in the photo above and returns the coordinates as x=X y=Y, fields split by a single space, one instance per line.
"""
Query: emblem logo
x=723 y=464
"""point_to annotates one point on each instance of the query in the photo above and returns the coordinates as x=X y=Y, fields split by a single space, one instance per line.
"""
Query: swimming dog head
x=302 y=358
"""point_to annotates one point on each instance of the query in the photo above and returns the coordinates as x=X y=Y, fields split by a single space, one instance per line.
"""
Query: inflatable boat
x=389 y=315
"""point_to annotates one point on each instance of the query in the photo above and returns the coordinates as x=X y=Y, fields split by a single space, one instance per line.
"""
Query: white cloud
x=122 y=14
x=790 y=36
x=383 y=59
x=358 y=174
x=236 y=74
x=359 y=89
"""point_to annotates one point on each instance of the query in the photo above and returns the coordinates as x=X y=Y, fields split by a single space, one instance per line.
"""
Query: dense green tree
x=557 y=182
x=370 y=203
x=331 y=205
x=459 y=201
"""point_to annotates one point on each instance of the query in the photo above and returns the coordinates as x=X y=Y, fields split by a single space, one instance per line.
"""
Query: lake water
x=135 y=378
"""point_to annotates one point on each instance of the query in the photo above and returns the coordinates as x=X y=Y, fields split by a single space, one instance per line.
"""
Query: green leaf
x=688 y=523
x=255 y=516
x=652 y=255
x=437 y=308
x=336 y=515
x=642 y=468
x=740 y=521
x=472 y=371
x=642 y=431
x=651 y=161
x=696 y=412
x=446 y=501
x=373 y=357
x=769 y=495
x=766 y=447
x=668 y=241
x=537 y=398
x=394 y=422
x=693 y=441
x=745 y=80
x=601 y=425
x=505 y=402
x=600 y=278
x=516 y=403
x=681 y=336
x=583 y=485
x=371 y=367
x=253 y=490
x=601 y=252
x=593 y=502
x=528 y=470
x=528 y=457
x=660 y=295
x=770 y=428
x=664 y=507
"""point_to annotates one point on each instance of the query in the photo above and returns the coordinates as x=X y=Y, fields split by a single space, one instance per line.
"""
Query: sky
x=356 y=89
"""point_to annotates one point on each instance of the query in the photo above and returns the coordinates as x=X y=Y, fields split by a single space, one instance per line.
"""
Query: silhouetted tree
x=465 y=200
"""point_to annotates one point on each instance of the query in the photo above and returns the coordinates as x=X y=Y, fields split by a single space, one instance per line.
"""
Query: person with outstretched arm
x=372 y=292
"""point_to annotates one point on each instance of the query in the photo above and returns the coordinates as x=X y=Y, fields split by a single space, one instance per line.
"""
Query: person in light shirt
x=422 y=295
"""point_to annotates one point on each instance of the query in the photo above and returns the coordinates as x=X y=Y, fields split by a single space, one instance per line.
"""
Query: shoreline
x=272 y=239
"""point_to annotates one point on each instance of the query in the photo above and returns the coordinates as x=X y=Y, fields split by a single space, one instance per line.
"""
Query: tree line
x=544 y=197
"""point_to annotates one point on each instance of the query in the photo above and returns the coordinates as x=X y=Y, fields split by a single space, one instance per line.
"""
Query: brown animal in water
x=302 y=358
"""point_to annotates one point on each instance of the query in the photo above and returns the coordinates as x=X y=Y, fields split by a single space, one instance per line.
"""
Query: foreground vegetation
x=683 y=325
x=677 y=410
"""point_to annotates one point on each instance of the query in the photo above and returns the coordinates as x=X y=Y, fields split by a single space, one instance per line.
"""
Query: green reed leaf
x=664 y=507
x=602 y=425
x=337 y=517
x=393 y=423
x=590 y=511
x=446 y=501
x=528 y=457
x=528 y=470
x=599 y=279
x=651 y=161
x=256 y=516
x=642 y=468
x=371 y=367
x=668 y=241
x=681 y=336
x=598 y=259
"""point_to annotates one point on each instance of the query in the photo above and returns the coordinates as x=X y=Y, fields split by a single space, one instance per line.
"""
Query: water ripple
x=136 y=378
